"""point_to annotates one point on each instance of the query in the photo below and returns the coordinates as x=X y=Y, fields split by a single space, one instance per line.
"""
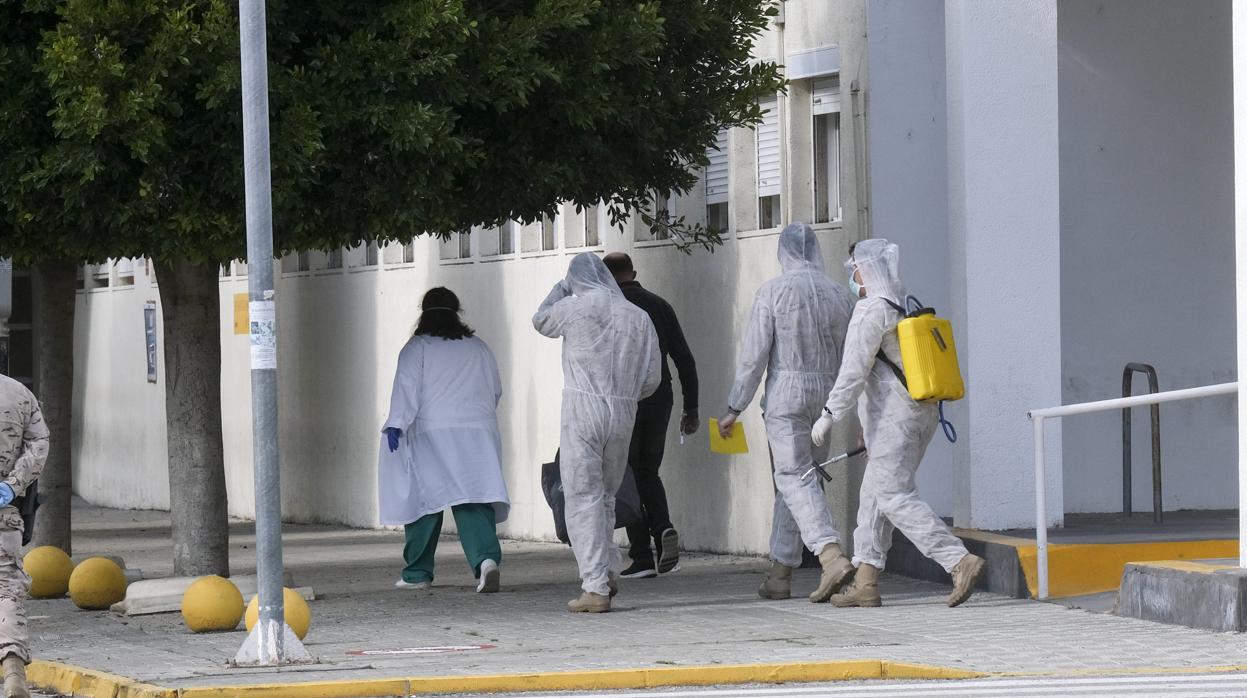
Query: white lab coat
x=445 y=401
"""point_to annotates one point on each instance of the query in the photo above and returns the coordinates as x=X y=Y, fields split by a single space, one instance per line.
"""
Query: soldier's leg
x=14 y=635
x=14 y=587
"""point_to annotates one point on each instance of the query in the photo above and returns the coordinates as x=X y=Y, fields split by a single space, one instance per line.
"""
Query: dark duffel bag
x=627 y=499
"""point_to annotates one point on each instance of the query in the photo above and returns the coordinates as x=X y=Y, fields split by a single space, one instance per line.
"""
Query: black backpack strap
x=900 y=375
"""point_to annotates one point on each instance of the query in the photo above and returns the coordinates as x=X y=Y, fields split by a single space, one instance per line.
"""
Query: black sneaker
x=668 y=551
x=639 y=570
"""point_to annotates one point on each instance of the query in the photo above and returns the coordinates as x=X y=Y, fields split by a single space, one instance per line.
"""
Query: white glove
x=822 y=429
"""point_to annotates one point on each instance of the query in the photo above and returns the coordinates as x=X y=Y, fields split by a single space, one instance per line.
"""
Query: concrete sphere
x=49 y=569
x=96 y=584
x=298 y=615
x=211 y=603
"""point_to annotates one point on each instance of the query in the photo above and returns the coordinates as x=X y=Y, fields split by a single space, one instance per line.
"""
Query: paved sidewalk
x=705 y=614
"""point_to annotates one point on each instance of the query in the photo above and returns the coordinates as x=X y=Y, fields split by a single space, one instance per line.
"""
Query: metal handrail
x=1038 y=416
x=1127 y=436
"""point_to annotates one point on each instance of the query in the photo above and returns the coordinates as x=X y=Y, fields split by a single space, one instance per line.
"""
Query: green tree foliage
x=389 y=119
x=121 y=136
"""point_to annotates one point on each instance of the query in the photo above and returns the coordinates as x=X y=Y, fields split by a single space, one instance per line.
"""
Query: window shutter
x=827 y=95
x=716 y=171
x=769 y=171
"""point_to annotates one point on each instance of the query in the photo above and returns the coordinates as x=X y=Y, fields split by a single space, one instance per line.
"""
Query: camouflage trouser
x=14 y=587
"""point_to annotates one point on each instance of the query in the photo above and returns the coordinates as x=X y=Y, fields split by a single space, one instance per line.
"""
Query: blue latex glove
x=392 y=435
x=6 y=494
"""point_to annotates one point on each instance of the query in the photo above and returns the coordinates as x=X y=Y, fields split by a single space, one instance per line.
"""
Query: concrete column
x=1240 y=256
x=1004 y=251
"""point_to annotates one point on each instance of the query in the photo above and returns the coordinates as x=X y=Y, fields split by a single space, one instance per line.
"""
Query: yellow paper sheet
x=733 y=444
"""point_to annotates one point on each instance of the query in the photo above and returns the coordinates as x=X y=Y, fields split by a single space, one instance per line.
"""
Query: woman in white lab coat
x=441 y=446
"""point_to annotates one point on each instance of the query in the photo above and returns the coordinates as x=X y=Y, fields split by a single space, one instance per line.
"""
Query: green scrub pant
x=477 y=533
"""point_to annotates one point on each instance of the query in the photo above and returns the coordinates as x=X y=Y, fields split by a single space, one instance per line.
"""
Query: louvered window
x=769 y=170
x=717 y=171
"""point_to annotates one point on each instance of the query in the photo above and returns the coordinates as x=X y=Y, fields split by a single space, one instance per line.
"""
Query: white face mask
x=855 y=288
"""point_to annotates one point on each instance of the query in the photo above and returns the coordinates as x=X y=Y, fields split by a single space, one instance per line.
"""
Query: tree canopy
x=389 y=119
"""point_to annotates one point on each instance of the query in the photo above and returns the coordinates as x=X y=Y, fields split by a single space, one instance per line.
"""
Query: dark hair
x=439 y=316
x=851 y=248
x=618 y=263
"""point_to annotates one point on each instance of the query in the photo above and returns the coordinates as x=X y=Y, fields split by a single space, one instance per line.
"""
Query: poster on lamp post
x=149 y=325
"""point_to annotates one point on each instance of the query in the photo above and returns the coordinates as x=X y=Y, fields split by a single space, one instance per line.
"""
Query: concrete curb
x=69 y=680
x=74 y=681
x=87 y=683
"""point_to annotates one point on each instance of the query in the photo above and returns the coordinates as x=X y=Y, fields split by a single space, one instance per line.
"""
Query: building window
x=125 y=272
x=499 y=240
x=662 y=210
x=400 y=252
x=362 y=256
x=548 y=241
x=593 y=236
x=826 y=111
x=770 y=173
x=539 y=236
x=457 y=246
x=101 y=274
x=334 y=259
x=717 y=183
x=506 y=237
x=295 y=262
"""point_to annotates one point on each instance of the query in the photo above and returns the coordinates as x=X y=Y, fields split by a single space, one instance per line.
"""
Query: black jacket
x=670 y=342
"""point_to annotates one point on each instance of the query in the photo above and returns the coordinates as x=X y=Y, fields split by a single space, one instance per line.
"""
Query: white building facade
x=1058 y=173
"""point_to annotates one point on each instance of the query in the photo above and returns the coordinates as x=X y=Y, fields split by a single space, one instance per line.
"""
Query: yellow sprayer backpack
x=929 y=355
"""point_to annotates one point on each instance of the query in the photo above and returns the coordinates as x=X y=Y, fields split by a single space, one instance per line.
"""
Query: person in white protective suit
x=896 y=430
x=610 y=362
x=795 y=334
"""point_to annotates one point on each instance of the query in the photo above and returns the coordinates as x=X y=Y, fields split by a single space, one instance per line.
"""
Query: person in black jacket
x=649 y=436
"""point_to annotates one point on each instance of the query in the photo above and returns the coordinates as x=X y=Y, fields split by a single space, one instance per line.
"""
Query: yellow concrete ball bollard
x=298 y=615
x=49 y=569
x=96 y=584
x=211 y=603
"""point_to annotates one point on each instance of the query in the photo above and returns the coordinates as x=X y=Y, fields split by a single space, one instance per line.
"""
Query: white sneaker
x=402 y=584
x=490 y=578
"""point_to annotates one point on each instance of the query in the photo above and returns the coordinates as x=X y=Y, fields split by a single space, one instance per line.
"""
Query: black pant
x=649 y=439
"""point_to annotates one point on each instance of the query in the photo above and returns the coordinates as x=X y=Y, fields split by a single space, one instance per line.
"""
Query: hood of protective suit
x=878 y=263
x=798 y=249
x=587 y=274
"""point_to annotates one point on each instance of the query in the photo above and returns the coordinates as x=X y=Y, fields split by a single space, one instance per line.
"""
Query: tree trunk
x=54 y=297
x=190 y=306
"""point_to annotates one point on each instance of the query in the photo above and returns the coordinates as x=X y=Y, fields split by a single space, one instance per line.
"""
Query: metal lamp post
x=271 y=642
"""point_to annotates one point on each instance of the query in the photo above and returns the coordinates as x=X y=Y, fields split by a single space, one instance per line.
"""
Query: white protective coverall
x=896 y=428
x=445 y=400
x=795 y=334
x=610 y=361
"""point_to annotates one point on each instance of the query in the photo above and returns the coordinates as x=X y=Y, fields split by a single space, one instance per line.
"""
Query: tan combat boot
x=965 y=575
x=590 y=602
x=864 y=591
x=837 y=570
x=778 y=583
x=15 y=677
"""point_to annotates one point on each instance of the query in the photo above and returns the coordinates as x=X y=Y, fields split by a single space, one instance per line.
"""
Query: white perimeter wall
x=339 y=337
x=1147 y=243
